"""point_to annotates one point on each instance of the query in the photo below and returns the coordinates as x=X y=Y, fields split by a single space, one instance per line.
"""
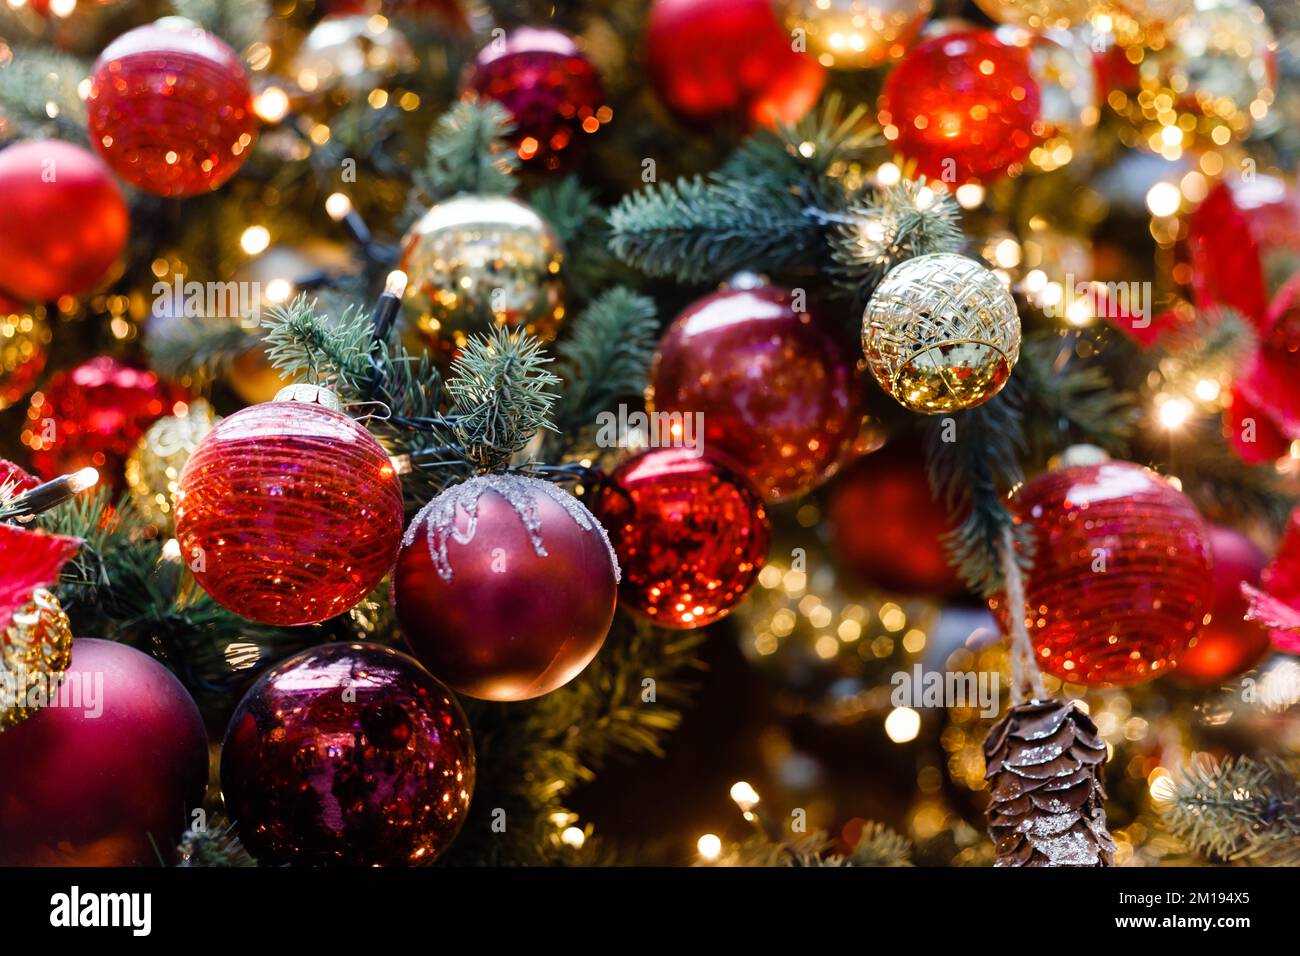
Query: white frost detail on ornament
x=518 y=491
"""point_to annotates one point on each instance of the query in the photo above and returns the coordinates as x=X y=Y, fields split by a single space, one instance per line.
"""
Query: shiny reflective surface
x=475 y=262
x=348 y=755
x=776 y=391
x=170 y=108
x=962 y=105
x=856 y=34
x=112 y=789
x=288 y=513
x=1121 y=580
x=506 y=596
x=691 y=535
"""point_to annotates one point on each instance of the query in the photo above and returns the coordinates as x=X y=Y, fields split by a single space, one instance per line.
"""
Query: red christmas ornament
x=32 y=559
x=289 y=512
x=63 y=221
x=348 y=755
x=548 y=86
x=15 y=480
x=93 y=416
x=1121 y=580
x=505 y=587
x=1276 y=603
x=775 y=390
x=1225 y=258
x=887 y=526
x=691 y=535
x=170 y=108
x=713 y=60
x=108 y=777
x=964 y=106
x=1229 y=644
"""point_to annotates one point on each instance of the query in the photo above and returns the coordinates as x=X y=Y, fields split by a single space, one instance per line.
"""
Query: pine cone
x=1044 y=763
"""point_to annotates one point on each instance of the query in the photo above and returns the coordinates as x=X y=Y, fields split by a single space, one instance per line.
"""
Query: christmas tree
x=719 y=432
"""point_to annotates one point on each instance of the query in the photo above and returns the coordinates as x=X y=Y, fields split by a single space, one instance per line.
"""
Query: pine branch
x=819 y=145
x=877 y=846
x=1069 y=403
x=606 y=357
x=213 y=846
x=889 y=225
x=469 y=153
x=38 y=90
x=880 y=846
x=973 y=459
x=1237 y=809
x=580 y=223
x=500 y=393
x=700 y=231
x=1213 y=345
x=202 y=348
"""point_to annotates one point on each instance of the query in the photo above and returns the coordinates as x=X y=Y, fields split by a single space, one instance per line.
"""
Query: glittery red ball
x=1229 y=644
x=288 y=513
x=348 y=755
x=963 y=105
x=93 y=415
x=714 y=60
x=548 y=86
x=170 y=109
x=691 y=535
x=505 y=587
x=108 y=777
x=887 y=526
x=1121 y=580
x=776 y=392
x=63 y=221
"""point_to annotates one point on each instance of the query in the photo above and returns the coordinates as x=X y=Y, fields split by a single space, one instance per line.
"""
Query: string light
x=745 y=796
x=573 y=837
x=1174 y=412
x=1164 y=199
x=255 y=240
x=902 y=724
x=709 y=846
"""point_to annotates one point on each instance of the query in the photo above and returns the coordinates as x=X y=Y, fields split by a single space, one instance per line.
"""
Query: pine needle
x=469 y=152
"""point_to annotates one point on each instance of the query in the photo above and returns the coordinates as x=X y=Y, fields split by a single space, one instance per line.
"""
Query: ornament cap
x=1077 y=456
x=310 y=395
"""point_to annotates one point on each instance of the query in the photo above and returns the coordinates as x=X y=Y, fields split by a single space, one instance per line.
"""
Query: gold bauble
x=24 y=337
x=855 y=34
x=473 y=262
x=154 y=466
x=1204 y=84
x=1040 y=14
x=353 y=53
x=35 y=647
x=941 y=333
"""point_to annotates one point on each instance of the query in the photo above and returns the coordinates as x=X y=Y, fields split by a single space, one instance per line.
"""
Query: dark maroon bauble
x=776 y=391
x=505 y=587
x=547 y=85
x=109 y=777
x=348 y=755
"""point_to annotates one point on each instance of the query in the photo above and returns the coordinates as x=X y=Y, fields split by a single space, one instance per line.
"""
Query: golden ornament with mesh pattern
x=36 y=647
x=155 y=465
x=1040 y=14
x=941 y=333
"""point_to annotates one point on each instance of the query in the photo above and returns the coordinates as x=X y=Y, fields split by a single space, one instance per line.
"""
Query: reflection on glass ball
x=855 y=34
x=475 y=262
